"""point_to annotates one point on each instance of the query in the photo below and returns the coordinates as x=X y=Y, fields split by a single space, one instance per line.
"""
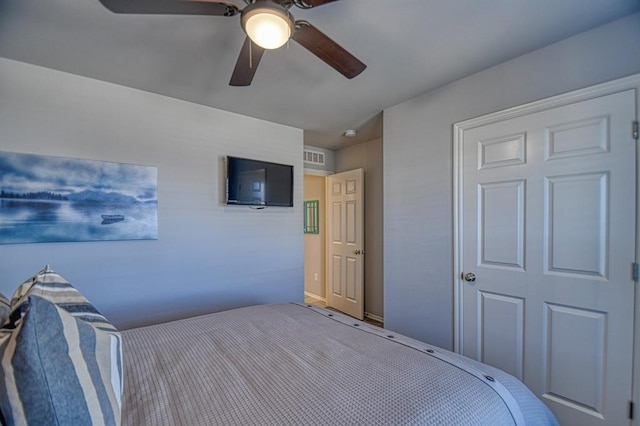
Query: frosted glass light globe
x=267 y=24
x=268 y=31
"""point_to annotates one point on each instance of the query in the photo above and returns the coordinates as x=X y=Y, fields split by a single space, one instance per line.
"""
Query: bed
x=63 y=363
x=301 y=364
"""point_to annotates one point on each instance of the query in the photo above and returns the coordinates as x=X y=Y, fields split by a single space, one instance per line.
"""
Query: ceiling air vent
x=314 y=157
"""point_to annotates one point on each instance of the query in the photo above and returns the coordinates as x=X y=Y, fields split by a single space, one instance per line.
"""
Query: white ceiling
x=409 y=46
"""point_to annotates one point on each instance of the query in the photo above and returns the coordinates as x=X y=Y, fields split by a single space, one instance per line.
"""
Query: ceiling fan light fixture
x=267 y=24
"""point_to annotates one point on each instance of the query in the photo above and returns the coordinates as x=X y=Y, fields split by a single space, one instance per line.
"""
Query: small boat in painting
x=112 y=218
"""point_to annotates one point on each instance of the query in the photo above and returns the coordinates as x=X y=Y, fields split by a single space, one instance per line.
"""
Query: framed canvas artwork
x=55 y=199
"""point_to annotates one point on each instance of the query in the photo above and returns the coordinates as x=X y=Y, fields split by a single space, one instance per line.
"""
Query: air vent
x=314 y=157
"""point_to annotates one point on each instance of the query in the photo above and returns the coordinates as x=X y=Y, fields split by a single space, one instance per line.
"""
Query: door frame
x=322 y=216
x=631 y=82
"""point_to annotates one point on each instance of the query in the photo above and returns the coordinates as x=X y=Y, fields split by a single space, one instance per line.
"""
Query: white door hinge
x=634 y=130
x=635 y=271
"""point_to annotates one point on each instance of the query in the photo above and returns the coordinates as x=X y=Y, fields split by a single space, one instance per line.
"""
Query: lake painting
x=56 y=199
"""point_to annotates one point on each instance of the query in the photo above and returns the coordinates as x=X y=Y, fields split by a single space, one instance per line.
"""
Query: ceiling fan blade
x=170 y=7
x=328 y=50
x=308 y=4
x=247 y=63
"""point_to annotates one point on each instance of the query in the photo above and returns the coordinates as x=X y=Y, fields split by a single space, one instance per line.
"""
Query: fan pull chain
x=250 y=54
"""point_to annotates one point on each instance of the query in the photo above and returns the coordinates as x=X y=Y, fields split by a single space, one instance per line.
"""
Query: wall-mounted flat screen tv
x=259 y=183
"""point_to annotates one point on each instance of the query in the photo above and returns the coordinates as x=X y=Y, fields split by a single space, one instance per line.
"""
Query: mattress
x=294 y=364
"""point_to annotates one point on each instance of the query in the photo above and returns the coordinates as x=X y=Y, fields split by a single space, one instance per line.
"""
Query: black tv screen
x=259 y=183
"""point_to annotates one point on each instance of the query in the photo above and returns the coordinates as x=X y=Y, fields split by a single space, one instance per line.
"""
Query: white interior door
x=345 y=225
x=547 y=226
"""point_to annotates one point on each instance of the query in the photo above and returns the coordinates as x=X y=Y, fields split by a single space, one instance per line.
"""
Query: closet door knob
x=469 y=277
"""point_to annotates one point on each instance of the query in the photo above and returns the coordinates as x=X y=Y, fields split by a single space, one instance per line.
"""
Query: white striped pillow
x=61 y=359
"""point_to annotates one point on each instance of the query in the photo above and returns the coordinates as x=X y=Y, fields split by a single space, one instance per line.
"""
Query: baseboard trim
x=374 y=317
x=315 y=296
x=367 y=315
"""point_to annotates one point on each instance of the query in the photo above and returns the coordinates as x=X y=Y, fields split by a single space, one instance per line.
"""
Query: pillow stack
x=61 y=359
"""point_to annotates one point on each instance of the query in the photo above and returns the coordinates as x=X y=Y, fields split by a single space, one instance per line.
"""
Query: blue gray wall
x=418 y=164
x=208 y=256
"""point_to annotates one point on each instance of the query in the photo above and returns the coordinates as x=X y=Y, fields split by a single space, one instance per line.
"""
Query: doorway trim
x=316 y=172
x=626 y=83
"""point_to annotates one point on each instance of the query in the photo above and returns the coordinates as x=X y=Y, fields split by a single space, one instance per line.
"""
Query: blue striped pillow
x=61 y=359
x=5 y=307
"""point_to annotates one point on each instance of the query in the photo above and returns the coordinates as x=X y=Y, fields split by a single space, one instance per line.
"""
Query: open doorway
x=315 y=243
x=335 y=257
x=368 y=156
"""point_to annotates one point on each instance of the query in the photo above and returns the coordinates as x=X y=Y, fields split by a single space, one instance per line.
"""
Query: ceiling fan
x=268 y=24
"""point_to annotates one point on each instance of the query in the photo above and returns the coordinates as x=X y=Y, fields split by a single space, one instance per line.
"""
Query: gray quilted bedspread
x=293 y=364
